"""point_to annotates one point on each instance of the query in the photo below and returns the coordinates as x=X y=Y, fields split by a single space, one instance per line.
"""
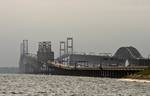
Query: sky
x=96 y=25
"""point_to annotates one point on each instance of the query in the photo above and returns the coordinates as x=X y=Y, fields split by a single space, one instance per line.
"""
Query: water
x=47 y=85
x=11 y=70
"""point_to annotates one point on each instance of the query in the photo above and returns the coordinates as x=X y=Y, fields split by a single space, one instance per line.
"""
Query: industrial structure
x=126 y=60
x=36 y=63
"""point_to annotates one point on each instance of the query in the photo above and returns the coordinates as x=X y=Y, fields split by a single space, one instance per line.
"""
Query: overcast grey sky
x=96 y=25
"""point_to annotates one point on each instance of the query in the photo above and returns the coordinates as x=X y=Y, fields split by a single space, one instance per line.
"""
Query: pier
x=126 y=61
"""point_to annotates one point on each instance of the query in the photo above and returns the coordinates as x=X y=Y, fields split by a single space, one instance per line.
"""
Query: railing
x=96 y=67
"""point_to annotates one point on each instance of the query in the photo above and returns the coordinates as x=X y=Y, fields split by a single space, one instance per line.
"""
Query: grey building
x=125 y=56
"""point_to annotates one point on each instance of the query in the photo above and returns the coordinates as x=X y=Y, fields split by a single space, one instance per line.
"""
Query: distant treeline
x=10 y=70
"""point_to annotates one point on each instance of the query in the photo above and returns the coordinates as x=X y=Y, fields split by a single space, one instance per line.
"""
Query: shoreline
x=135 y=80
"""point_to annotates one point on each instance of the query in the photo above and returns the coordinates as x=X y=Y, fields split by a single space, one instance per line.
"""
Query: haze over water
x=96 y=25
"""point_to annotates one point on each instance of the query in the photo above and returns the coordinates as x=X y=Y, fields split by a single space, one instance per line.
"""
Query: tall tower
x=44 y=55
x=21 y=48
x=23 y=53
x=62 y=48
x=25 y=47
x=69 y=45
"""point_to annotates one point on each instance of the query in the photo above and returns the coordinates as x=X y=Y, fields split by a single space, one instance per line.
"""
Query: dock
x=126 y=61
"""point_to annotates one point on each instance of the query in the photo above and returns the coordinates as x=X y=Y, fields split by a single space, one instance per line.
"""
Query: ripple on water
x=47 y=85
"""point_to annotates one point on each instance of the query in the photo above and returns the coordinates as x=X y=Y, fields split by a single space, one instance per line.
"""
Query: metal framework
x=69 y=45
x=44 y=55
x=24 y=53
x=62 y=48
x=25 y=46
x=44 y=46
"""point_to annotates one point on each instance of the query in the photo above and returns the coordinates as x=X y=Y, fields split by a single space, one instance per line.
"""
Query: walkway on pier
x=96 y=67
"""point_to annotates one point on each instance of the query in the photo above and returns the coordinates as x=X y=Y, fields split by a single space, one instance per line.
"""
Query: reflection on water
x=47 y=85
